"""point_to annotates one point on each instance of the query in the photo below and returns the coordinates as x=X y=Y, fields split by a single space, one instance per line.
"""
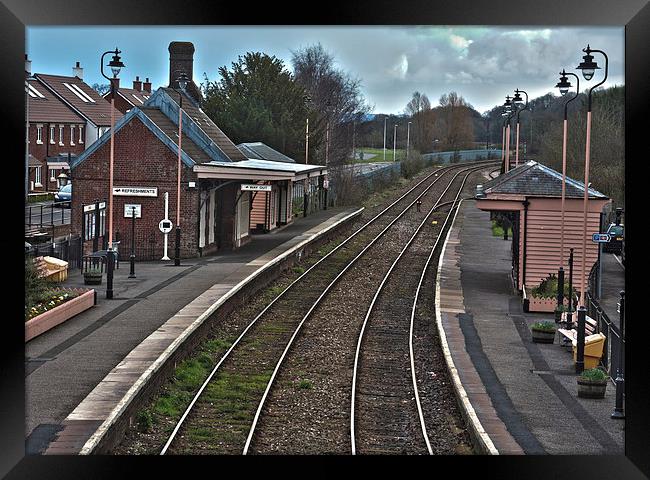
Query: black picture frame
x=633 y=14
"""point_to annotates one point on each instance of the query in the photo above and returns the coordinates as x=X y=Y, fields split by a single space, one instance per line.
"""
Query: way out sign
x=600 y=238
x=247 y=187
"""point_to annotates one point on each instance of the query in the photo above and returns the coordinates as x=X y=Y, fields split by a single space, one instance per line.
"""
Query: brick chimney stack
x=181 y=59
x=77 y=71
x=146 y=86
x=137 y=84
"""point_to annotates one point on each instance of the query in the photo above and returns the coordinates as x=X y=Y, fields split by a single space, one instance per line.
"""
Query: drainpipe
x=525 y=203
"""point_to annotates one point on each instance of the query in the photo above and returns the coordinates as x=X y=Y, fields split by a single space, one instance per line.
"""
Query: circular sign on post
x=165 y=225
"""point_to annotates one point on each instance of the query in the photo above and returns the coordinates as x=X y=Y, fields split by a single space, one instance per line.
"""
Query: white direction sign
x=91 y=207
x=165 y=225
x=136 y=191
x=128 y=210
x=245 y=187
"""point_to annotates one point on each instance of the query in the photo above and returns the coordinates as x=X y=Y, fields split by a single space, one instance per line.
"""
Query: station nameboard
x=245 y=187
x=136 y=191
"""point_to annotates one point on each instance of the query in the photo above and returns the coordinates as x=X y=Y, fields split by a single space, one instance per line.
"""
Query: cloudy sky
x=481 y=63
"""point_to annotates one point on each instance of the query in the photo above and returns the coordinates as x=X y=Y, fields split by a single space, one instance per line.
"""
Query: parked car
x=615 y=244
x=64 y=195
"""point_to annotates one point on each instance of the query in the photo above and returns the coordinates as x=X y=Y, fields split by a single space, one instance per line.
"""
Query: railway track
x=386 y=414
x=220 y=415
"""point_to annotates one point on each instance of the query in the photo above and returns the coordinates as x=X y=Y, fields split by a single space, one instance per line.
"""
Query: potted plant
x=93 y=276
x=543 y=332
x=592 y=383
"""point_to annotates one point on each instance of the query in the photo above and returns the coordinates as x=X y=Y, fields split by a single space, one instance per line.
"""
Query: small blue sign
x=600 y=238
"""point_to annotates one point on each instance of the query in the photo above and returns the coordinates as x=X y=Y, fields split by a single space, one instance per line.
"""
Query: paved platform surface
x=523 y=394
x=612 y=284
x=78 y=372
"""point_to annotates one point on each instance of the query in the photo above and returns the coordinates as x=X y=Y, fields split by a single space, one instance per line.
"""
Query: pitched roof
x=261 y=151
x=535 y=179
x=46 y=108
x=80 y=97
x=204 y=123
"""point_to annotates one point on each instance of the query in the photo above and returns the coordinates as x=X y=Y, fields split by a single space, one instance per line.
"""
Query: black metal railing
x=69 y=250
x=49 y=214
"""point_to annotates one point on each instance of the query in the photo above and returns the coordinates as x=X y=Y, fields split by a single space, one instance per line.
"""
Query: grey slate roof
x=261 y=151
x=537 y=180
x=207 y=125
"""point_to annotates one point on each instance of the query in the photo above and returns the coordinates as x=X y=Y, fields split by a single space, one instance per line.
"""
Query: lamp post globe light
x=116 y=65
x=182 y=84
x=518 y=101
x=588 y=67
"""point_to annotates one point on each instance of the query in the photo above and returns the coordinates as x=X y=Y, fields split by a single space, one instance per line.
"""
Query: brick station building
x=532 y=195
x=218 y=182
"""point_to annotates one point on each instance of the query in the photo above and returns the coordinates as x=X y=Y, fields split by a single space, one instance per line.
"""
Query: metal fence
x=462 y=155
x=612 y=332
x=48 y=214
x=69 y=250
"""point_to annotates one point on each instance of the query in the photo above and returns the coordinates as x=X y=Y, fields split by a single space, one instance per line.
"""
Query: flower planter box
x=542 y=336
x=543 y=304
x=591 y=388
x=50 y=319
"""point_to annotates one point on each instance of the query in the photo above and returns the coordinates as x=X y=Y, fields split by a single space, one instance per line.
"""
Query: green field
x=379 y=152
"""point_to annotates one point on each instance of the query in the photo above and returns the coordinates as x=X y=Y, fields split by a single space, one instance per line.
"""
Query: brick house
x=218 y=182
x=127 y=98
x=55 y=135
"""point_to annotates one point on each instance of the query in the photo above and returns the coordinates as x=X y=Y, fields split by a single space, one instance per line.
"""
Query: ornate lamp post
x=182 y=83
x=505 y=112
x=116 y=65
x=588 y=67
x=518 y=101
x=513 y=110
x=564 y=85
x=394 y=142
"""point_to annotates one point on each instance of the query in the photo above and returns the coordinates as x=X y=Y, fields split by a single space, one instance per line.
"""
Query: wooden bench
x=591 y=327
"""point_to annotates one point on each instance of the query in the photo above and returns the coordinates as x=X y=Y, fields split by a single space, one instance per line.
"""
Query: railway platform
x=82 y=375
x=518 y=397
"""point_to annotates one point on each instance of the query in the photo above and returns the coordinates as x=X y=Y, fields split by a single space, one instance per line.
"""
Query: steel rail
x=312 y=308
x=415 y=301
x=437 y=174
x=370 y=308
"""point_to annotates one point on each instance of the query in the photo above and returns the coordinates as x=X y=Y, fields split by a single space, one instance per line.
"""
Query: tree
x=454 y=126
x=334 y=99
x=423 y=118
x=101 y=88
x=259 y=100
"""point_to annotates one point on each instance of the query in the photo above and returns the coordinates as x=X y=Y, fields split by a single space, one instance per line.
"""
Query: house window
x=37 y=177
x=51 y=134
x=81 y=131
x=39 y=134
x=71 y=134
x=61 y=135
x=52 y=175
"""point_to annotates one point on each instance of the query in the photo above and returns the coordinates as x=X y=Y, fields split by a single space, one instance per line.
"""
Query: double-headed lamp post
x=588 y=67
x=182 y=83
x=504 y=113
x=512 y=107
x=518 y=101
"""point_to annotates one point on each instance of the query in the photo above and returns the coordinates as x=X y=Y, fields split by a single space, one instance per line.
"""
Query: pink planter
x=539 y=304
x=50 y=319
